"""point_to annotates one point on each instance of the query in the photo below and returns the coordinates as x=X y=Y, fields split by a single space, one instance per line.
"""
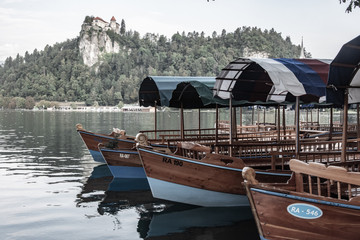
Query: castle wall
x=99 y=23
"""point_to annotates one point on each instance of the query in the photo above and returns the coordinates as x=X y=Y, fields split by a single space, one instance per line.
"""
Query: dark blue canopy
x=344 y=74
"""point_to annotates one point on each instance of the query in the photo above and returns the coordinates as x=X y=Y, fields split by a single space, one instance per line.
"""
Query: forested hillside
x=57 y=73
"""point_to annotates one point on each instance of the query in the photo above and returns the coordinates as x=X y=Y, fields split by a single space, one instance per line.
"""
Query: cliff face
x=94 y=42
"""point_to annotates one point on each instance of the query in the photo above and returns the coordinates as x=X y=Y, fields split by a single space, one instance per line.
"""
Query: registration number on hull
x=124 y=155
x=304 y=211
x=172 y=161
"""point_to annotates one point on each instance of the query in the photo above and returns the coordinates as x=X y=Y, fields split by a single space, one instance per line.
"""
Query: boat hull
x=92 y=140
x=127 y=172
x=195 y=196
x=176 y=178
x=123 y=163
x=96 y=155
x=284 y=215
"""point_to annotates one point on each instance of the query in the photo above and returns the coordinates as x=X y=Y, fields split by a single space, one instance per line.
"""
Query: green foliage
x=29 y=103
x=122 y=27
x=73 y=106
x=20 y=102
x=120 y=104
x=17 y=102
x=88 y=19
x=57 y=73
x=352 y=4
x=5 y=102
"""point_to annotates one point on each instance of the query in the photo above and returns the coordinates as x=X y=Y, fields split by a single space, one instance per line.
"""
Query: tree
x=352 y=4
x=29 y=103
x=123 y=27
x=88 y=19
x=20 y=102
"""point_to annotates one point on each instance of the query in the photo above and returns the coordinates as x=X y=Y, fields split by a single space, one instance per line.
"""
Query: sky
x=323 y=25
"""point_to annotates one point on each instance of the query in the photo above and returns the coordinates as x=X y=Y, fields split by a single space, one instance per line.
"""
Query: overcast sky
x=323 y=24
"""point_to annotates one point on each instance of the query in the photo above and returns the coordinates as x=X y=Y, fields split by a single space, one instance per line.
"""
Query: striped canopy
x=279 y=80
x=344 y=74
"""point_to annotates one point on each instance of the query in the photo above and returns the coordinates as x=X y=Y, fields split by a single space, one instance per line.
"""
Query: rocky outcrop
x=94 y=41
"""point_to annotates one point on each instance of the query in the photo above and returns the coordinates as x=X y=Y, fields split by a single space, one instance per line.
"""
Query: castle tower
x=302 y=53
x=114 y=25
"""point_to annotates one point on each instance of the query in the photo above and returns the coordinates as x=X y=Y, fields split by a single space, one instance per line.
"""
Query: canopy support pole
x=155 y=120
x=258 y=118
x=231 y=127
x=297 y=127
x=216 y=125
x=318 y=117
x=331 y=123
x=358 y=125
x=234 y=123
x=307 y=118
x=275 y=116
x=284 y=123
x=252 y=115
x=264 y=116
x=345 y=127
x=199 y=123
x=278 y=123
x=182 y=135
x=240 y=113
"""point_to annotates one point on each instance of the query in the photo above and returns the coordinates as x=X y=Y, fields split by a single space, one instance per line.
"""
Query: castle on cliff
x=95 y=41
x=100 y=23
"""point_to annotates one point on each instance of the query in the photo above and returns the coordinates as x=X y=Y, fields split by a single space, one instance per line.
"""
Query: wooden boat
x=123 y=163
x=318 y=202
x=115 y=142
x=115 y=138
x=194 y=175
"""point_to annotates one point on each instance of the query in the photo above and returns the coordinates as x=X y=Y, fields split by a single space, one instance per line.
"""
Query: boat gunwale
x=312 y=198
x=207 y=164
x=106 y=136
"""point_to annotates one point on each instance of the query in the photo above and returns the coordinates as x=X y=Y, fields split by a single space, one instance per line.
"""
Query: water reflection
x=95 y=186
x=159 y=219
x=52 y=189
x=181 y=219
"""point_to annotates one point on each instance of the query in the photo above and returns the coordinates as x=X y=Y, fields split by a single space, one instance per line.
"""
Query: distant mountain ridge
x=105 y=64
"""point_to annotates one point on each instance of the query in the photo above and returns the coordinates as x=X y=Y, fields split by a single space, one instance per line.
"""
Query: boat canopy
x=158 y=90
x=194 y=94
x=273 y=80
x=344 y=74
x=185 y=92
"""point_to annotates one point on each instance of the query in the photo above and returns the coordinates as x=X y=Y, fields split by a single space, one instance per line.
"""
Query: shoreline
x=88 y=109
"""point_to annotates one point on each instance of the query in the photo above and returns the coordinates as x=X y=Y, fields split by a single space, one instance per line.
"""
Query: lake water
x=52 y=189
